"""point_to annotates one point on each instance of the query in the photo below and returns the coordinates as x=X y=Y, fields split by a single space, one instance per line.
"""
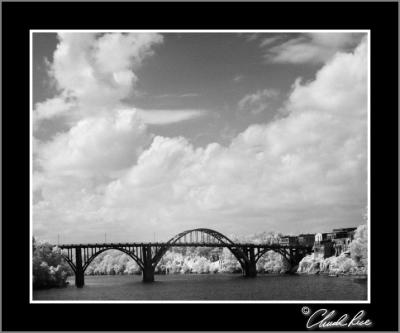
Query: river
x=211 y=287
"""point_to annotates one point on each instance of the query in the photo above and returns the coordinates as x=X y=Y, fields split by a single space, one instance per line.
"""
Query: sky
x=143 y=135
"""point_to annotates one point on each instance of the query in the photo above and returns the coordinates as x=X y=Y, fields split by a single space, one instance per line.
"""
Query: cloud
x=190 y=95
x=259 y=101
x=304 y=172
x=309 y=48
x=94 y=72
x=52 y=107
x=177 y=95
x=100 y=69
x=166 y=117
x=269 y=40
x=238 y=78
x=95 y=146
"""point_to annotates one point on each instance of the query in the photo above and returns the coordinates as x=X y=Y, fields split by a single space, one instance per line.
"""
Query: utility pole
x=105 y=238
x=58 y=239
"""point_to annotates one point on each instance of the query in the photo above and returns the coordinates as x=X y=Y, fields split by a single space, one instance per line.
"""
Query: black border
x=17 y=18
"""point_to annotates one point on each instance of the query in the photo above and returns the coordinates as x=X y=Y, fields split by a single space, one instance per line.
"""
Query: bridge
x=148 y=255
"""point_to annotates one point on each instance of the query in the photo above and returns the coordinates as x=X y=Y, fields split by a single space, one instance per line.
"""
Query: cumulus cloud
x=308 y=48
x=97 y=145
x=307 y=171
x=259 y=101
x=94 y=72
x=53 y=107
x=99 y=70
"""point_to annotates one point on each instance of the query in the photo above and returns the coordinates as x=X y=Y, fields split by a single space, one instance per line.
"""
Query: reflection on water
x=211 y=287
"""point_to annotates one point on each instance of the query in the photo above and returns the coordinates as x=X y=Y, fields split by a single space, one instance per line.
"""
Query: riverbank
x=333 y=266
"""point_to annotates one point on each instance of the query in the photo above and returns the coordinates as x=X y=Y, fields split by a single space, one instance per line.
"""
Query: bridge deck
x=200 y=244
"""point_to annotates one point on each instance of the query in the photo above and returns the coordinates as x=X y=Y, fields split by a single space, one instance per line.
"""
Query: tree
x=359 y=246
x=49 y=267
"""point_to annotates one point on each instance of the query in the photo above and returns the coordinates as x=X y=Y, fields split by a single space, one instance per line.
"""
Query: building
x=288 y=240
x=329 y=235
x=327 y=244
x=318 y=238
x=306 y=239
x=342 y=239
x=344 y=233
x=324 y=248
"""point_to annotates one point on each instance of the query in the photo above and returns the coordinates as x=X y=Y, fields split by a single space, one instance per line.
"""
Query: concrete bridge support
x=79 y=274
x=250 y=270
x=250 y=267
x=148 y=274
x=148 y=269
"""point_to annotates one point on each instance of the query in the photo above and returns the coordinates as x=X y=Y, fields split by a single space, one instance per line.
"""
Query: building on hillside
x=318 y=238
x=288 y=240
x=342 y=239
x=344 y=233
x=325 y=248
x=329 y=235
x=306 y=239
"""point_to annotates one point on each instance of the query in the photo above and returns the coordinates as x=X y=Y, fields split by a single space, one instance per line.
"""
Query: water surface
x=211 y=287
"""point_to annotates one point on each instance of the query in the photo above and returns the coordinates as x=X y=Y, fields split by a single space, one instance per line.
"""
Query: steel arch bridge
x=148 y=255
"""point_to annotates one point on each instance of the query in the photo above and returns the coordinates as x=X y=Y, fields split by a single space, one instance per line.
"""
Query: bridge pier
x=79 y=273
x=148 y=274
x=250 y=267
x=148 y=269
x=79 y=279
x=295 y=256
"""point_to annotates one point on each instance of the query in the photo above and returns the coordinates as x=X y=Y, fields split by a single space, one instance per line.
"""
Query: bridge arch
x=215 y=234
x=94 y=255
x=281 y=251
x=292 y=255
x=69 y=262
x=223 y=240
x=132 y=255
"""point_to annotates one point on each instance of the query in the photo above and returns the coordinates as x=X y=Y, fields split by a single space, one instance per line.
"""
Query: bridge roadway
x=148 y=255
x=178 y=244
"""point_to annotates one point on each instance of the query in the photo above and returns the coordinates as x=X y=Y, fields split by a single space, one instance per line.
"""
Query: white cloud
x=250 y=37
x=98 y=70
x=269 y=40
x=165 y=117
x=238 y=78
x=52 y=107
x=259 y=101
x=95 y=146
x=94 y=72
x=304 y=172
x=309 y=48
x=190 y=95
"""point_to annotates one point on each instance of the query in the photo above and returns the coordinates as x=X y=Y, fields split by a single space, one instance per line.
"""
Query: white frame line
x=368 y=32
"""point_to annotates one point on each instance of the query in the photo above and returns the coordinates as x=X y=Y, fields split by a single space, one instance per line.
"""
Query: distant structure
x=318 y=238
x=342 y=239
x=306 y=239
x=328 y=244
x=288 y=240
